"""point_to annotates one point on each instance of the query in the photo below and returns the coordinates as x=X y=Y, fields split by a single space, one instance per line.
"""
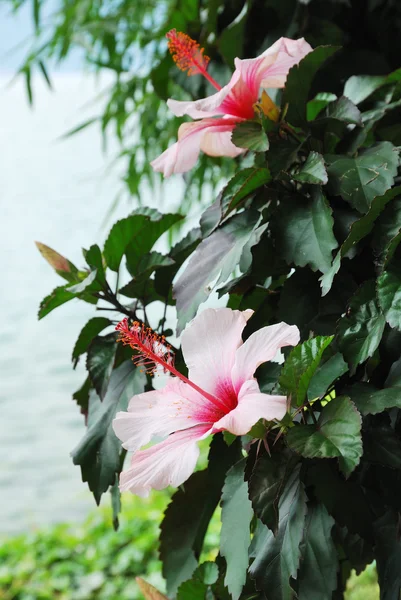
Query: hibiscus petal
x=209 y=345
x=169 y=463
x=182 y=155
x=261 y=347
x=160 y=412
x=218 y=143
x=270 y=69
x=252 y=406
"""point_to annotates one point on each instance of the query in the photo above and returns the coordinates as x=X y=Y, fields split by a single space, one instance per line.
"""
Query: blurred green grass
x=92 y=561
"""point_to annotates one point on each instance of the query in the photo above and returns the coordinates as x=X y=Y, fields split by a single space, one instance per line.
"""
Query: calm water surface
x=58 y=193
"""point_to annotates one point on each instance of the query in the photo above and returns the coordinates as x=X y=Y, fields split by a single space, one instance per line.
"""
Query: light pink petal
x=218 y=143
x=209 y=344
x=270 y=69
x=261 y=347
x=182 y=155
x=160 y=412
x=169 y=463
x=252 y=406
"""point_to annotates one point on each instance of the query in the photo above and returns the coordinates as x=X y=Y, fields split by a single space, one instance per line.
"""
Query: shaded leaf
x=312 y=171
x=318 y=573
x=266 y=485
x=388 y=290
x=98 y=453
x=388 y=555
x=100 y=360
x=299 y=82
x=197 y=587
x=359 y=332
x=370 y=401
x=325 y=375
x=92 y=328
x=337 y=434
x=250 y=135
x=277 y=558
x=359 y=180
x=189 y=512
x=304 y=232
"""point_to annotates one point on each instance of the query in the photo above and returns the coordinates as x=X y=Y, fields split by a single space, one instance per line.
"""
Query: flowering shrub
x=306 y=451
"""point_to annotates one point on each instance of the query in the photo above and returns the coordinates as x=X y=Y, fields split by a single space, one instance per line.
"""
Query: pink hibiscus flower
x=233 y=103
x=220 y=394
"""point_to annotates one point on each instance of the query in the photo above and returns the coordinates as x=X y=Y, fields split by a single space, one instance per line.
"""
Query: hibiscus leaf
x=60 y=295
x=299 y=82
x=388 y=289
x=360 y=331
x=370 y=401
x=277 y=557
x=359 y=87
x=336 y=434
x=304 y=231
x=388 y=554
x=358 y=230
x=135 y=235
x=189 y=512
x=99 y=452
x=235 y=535
x=359 y=180
x=301 y=365
x=89 y=282
x=198 y=586
x=266 y=485
x=100 y=361
x=387 y=233
x=250 y=135
x=216 y=257
x=312 y=171
x=342 y=109
x=318 y=573
x=382 y=446
x=92 y=328
x=325 y=375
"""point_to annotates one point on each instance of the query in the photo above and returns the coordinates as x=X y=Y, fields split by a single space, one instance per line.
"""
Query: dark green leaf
x=359 y=332
x=98 y=453
x=266 y=485
x=325 y=375
x=277 y=557
x=153 y=260
x=60 y=295
x=215 y=257
x=81 y=396
x=135 y=236
x=359 y=180
x=318 y=573
x=370 y=401
x=312 y=171
x=304 y=231
x=187 y=516
x=389 y=295
x=358 y=230
x=318 y=103
x=92 y=328
x=299 y=82
x=100 y=361
x=387 y=233
x=235 y=537
x=388 y=555
x=244 y=183
x=337 y=434
x=360 y=87
x=382 y=446
x=300 y=367
x=115 y=503
x=197 y=587
x=250 y=135
x=94 y=259
x=342 y=110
